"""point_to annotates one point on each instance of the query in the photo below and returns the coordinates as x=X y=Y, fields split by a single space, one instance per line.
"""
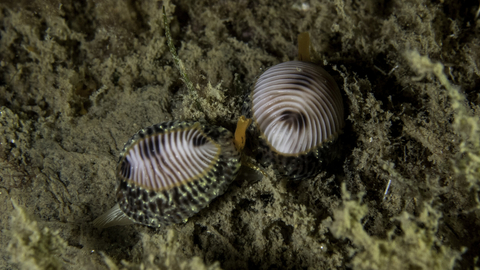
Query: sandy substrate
x=79 y=79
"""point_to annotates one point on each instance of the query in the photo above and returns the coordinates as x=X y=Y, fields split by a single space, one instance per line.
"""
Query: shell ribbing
x=170 y=171
x=297 y=106
x=163 y=161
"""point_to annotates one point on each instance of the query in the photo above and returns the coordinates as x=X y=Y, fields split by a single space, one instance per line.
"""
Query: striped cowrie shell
x=297 y=113
x=170 y=171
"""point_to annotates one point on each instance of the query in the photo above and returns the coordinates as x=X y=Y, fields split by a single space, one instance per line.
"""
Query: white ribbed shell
x=163 y=161
x=297 y=106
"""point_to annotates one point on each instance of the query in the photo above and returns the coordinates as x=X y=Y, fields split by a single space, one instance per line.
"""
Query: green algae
x=416 y=247
x=33 y=247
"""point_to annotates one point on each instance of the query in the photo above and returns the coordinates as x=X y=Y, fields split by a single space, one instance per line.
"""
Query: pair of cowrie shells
x=170 y=171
